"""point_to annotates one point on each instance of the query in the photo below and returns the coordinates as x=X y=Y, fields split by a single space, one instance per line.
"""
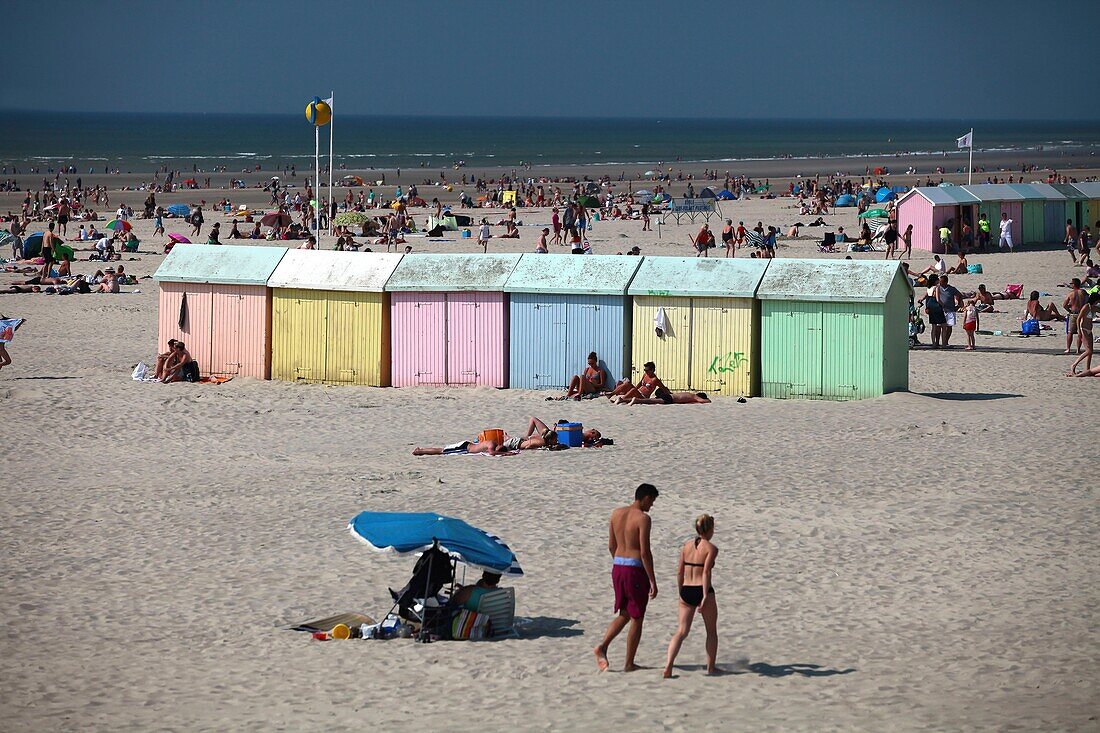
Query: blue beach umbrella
x=884 y=194
x=846 y=200
x=403 y=533
x=179 y=209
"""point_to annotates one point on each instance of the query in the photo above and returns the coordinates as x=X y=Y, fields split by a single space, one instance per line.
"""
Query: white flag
x=329 y=101
x=967 y=140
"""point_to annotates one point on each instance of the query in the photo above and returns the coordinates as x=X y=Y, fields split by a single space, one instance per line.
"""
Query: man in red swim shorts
x=631 y=574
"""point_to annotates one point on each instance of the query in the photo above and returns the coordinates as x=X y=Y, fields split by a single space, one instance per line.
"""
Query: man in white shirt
x=122 y=213
x=1006 y=232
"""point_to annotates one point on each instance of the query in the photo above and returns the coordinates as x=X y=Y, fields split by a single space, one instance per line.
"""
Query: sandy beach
x=922 y=561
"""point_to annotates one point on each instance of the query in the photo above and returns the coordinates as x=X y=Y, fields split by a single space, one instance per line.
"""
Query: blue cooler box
x=570 y=434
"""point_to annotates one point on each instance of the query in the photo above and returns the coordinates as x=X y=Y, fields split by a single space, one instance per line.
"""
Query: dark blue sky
x=769 y=58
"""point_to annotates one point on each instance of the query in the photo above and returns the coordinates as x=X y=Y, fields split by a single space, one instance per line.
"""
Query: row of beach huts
x=1038 y=211
x=785 y=328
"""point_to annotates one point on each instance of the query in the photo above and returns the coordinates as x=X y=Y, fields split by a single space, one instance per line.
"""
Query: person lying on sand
x=678 y=398
x=538 y=435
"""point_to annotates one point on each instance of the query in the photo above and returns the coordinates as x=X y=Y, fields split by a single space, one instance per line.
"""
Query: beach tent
x=708 y=193
x=590 y=202
x=330 y=317
x=561 y=308
x=643 y=194
x=449 y=319
x=884 y=194
x=725 y=195
x=215 y=299
x=180 y=210
x=833 y=329
x=846 y=199
x=707 y=321
x=32 y=245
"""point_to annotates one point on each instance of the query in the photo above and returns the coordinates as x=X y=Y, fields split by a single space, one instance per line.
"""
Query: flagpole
x=317 y=181
x=331 y=164
x=970 y=173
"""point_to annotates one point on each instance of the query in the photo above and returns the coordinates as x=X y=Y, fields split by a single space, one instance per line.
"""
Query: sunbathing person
x=960 y=266
x=591 y=381
x=538 y=435
x=678 y=398
x=468 y=596
x=1041 y=313
x=648 y=386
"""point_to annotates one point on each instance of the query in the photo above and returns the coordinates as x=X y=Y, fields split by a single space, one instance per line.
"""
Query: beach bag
x=470 y=626
x=1030 y=327
x=1013 y=292
x=492 y=434
x=973 y=269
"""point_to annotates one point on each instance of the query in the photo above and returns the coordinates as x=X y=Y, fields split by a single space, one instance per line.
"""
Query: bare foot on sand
x=668 y=673
x=601 y=659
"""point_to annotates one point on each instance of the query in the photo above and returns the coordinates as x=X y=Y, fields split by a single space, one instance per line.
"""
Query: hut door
x=197 y=333
x=546 y=356
x=462 y=338
x=720 y=358
x=424 y=344
x=226 y=347
x=802 y=323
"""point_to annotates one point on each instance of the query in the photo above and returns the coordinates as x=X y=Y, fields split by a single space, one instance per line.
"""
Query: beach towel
x=8 y=327
x=660 y=323
x=470 y=625
x=183 y=311
x=1013 y=292
x=351 y=620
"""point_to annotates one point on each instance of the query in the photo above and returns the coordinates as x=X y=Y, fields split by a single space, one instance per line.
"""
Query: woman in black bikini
x=693 y=577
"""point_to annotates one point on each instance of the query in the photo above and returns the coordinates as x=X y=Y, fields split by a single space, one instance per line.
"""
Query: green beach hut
x=833 y=329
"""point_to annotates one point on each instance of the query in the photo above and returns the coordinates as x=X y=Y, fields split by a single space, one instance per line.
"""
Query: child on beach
x=483 y=235
x=8 y=327
x=970 y=322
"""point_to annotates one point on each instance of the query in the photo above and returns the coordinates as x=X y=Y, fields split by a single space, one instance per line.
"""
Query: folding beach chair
x=753 y=239
x=500 y=606
x=828 y=244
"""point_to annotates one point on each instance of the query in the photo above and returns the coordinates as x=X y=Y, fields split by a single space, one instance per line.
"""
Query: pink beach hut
x=449 y=319
x=929 y=208
x=215 y=299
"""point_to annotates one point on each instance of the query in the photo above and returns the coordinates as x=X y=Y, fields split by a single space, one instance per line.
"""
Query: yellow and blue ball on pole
x=318 y=113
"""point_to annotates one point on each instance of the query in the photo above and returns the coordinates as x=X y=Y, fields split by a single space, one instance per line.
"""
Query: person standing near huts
x=1006 y=232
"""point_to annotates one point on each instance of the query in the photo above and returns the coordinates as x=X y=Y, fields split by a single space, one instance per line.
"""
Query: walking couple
x=635 y=583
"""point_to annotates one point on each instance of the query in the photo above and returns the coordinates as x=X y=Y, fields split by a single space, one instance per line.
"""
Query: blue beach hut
x=561 y=308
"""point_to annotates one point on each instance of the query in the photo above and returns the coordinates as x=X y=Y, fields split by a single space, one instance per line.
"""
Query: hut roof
x=345 y=271
x=1070 y=191
x=451 y=272
x=573 y=274
x=1048 y=192
x=946 y=196
x=863 y=281
x=1090 y=190
x=716 y=277
x=219 y=264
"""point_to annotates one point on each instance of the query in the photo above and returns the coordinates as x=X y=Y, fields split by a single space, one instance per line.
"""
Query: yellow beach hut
x=696 y=319
x=330 y=317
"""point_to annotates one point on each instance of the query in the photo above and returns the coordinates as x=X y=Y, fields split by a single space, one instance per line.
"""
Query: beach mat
x=350 y=620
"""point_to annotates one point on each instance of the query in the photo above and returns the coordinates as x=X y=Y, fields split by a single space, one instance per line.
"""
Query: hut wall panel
x=299 y=337
x=1054 y=220
x=917 y=210
x=723 y=358
x=992 y=211
x=895 y=338
x=790 y=349
x=596 y=323
x=537 y=347
x=1034 y=222
x=940 y=215
x=241 y=331
x=354 y=338
x=418 y=338
x=491 y=348
x=852 y=358
x=197 y=331
x=1015 y=211
x=672 y=353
